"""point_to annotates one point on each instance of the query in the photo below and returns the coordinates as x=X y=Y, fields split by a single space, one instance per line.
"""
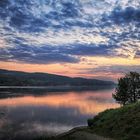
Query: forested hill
x=16 y=78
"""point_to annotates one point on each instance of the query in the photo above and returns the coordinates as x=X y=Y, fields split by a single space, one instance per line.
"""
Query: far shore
x=50 y=87
x=59 y=88
x=37 y=90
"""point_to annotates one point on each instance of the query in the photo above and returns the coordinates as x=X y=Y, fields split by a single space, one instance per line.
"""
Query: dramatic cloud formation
x=68 y=31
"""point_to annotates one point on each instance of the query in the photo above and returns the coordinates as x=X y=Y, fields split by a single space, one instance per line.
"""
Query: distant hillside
x=16 y=78
x=121 y=124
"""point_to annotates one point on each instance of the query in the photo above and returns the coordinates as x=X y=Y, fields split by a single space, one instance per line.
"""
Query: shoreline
x=54 y=87
x=41 y=90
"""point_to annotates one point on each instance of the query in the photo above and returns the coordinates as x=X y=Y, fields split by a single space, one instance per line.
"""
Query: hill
x=16 y=78
x=121 y=124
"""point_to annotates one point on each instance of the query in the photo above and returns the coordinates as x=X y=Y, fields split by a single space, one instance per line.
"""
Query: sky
x=77 y=38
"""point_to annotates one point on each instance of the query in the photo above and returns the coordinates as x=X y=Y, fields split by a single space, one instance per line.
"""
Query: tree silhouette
x=128 y=89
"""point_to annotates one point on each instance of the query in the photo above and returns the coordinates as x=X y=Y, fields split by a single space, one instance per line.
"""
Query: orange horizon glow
x=75 y=70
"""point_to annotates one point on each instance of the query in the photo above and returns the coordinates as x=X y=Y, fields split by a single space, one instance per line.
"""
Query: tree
x=128 y=89
x=134 y=86
x=121 y=93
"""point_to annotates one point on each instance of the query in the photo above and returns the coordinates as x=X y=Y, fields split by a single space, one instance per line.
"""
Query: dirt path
x=79 y=134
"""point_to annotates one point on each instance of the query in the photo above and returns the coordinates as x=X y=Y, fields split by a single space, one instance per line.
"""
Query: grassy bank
x=117 y=124
x=121 y=124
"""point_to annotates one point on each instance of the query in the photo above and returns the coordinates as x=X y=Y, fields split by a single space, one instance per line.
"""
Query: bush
x=90 y=122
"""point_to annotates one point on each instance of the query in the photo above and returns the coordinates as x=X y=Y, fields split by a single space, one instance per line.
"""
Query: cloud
x=34 y=55
x=58 y=31
x=51 y=54
x=115 y=69
x=137 y=54
x=129 y=48
x=35 y=52
x=127 y=15
x=22 y=15
x=88 y=50
x=63 y=37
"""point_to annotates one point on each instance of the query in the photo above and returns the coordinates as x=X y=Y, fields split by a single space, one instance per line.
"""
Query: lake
x=50 y=113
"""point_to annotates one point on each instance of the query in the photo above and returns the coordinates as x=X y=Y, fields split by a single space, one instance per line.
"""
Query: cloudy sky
x=87 y=38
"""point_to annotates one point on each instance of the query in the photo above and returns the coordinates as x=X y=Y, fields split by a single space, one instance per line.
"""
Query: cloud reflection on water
x=90 y=102
x=51 y=113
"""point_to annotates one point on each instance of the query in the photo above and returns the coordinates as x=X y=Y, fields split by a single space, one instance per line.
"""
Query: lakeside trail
x=79 y=133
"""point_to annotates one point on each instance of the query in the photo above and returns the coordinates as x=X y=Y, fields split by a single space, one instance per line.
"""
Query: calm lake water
x=50 y=113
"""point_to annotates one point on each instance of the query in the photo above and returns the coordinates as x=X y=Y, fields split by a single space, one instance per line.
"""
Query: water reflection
x=52 y=113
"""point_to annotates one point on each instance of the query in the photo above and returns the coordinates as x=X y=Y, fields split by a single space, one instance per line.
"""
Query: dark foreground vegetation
x=121 y=124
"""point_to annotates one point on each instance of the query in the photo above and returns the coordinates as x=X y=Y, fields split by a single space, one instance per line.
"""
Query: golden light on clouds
x=113 y=60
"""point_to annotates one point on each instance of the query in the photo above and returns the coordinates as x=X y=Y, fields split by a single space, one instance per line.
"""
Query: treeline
x=14 y=78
